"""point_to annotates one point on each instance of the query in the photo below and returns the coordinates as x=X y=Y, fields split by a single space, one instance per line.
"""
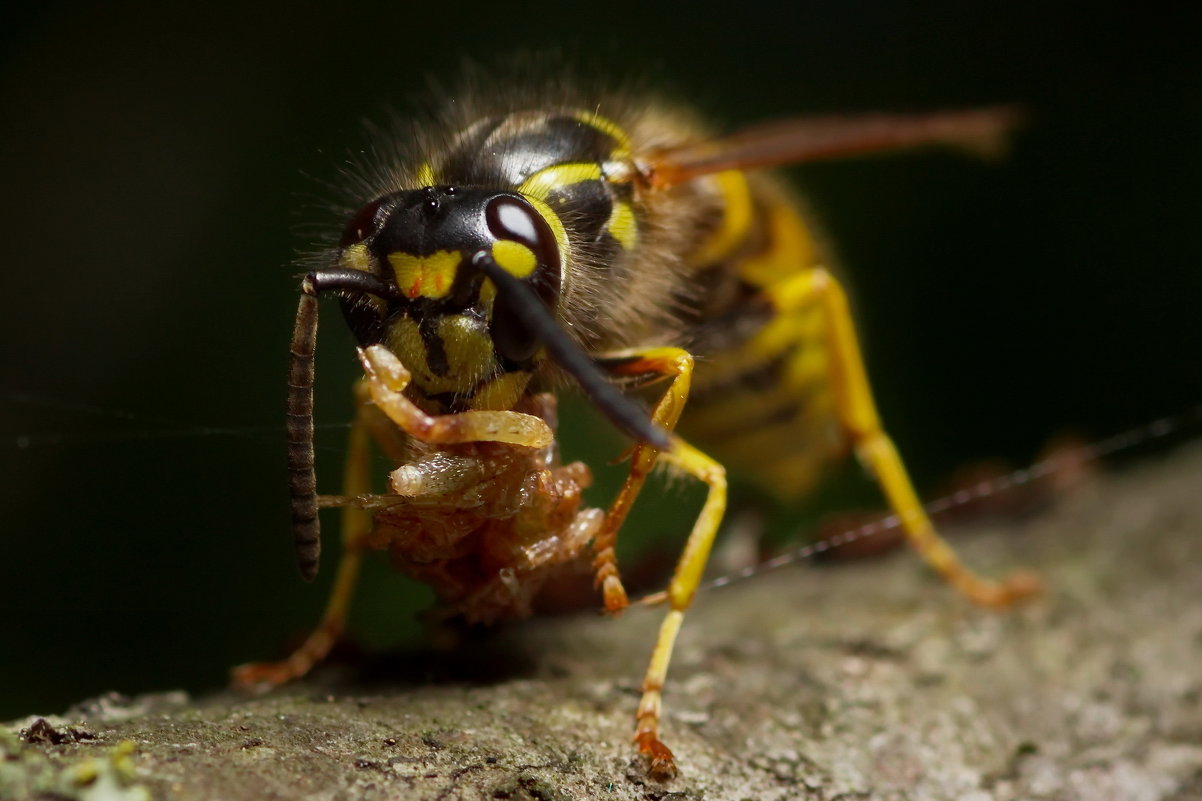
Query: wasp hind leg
x=677 y=364
x=858 y=416
x=356 y=525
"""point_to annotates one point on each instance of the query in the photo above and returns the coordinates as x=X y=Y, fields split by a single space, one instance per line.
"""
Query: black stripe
x=584 y=208
x=754 y=378
x=436 y=350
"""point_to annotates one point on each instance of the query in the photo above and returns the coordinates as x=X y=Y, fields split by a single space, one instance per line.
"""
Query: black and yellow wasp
x=513 y=244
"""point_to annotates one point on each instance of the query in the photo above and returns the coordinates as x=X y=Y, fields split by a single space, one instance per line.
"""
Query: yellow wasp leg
x=678 y=364
x=356 y=525
x=672 y=362
x=858 y=415
x=386 y=381
x=681 y=590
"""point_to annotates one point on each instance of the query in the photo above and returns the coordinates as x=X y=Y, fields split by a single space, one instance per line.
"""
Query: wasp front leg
x=356 y=525
x=678 y=364
x=658 y=362
x=386 y=415
x=858 y=416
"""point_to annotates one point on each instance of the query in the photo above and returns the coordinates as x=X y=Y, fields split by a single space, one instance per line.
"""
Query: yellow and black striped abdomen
x=762 y=401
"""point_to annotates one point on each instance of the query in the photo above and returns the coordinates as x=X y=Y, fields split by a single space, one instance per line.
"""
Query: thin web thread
x=1156 y=429
x=170 y=429
x=1126 y=440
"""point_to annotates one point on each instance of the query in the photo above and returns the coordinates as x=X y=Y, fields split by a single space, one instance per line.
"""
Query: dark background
x=157 y=165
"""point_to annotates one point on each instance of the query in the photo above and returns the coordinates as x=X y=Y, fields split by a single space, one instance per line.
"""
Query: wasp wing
x=980 y=131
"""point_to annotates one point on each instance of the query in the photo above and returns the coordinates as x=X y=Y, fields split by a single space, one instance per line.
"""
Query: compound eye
x=511 y=219
x=363 y=224
x=516 y=220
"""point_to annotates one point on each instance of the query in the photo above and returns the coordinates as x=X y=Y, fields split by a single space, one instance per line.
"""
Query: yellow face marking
x=355 y=257
x=622 y=225
x=425 y=276
x=545 y=181
x=514 y=257
x=488 y=294
x=736 y=217
x=469 y=349
x=405 y=340
x=609 y=127
x=502 y=393
x=465 y=343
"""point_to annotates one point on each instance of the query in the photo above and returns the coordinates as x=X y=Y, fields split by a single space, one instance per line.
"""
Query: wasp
x=513 y=245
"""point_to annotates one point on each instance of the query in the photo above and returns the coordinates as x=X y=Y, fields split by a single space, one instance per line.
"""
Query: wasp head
x=421 y=244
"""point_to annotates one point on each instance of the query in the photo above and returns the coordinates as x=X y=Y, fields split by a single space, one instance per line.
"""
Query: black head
x=421 y=242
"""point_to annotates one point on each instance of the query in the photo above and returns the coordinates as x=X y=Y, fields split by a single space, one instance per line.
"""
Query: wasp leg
x=681 y=590
x=356 y=525
x=678 y=364
x=386 y=381
x=858 y=416
x=673 y=362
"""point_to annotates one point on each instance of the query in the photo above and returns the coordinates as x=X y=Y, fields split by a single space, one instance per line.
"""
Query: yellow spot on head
x=425 y=276
x=425 y=175
x=514 y=257
x=355 y=257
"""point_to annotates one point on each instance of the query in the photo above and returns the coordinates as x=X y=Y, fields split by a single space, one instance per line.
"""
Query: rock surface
x=866 y=681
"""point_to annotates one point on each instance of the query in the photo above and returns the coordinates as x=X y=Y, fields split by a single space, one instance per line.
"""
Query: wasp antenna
x=624 y=413
x=302 y=480
x=346 y=281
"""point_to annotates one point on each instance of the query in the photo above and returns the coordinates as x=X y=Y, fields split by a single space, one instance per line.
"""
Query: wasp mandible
x=513 y=245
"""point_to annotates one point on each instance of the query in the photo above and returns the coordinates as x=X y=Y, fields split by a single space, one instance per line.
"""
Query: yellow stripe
x=609 y=128
x=557 y=230
x=736 y=217
x=623 y=226
x=545 y=181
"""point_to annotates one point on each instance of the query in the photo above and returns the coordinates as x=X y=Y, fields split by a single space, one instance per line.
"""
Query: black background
x=157 y=165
